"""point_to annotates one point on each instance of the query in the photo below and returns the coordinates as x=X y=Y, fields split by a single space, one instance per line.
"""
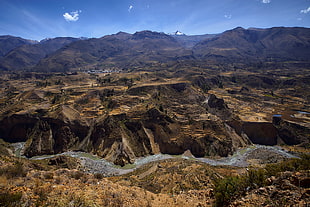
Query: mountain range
x=125 y=51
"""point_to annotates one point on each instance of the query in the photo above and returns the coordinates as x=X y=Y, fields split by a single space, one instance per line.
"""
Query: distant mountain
x=276 y=44
x=141 y=49
x=8 y=43
x=190 y=41
x=121 y=50
x=28 y=55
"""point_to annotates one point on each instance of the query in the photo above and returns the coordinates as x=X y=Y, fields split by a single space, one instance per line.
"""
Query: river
x=94 y=164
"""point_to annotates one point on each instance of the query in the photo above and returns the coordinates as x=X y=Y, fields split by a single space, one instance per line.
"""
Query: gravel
x=94 y=164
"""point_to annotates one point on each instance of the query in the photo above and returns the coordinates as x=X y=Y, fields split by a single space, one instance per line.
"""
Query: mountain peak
x=178 y=33
x=146 y=34
x=239 y=28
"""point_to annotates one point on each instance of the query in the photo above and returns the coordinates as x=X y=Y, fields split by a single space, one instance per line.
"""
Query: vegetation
x=8 y=199
x=293 y=165
x=15 y=170
x=230 y=188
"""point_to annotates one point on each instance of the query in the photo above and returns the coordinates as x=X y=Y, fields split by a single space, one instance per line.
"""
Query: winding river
x=94 y=164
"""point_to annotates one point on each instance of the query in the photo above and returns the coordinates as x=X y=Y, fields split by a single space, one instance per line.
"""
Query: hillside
x=27 y=56
x=150 y=119
x=123 y=51
x=274 y=44
x=190 y=41
x=114 y=51
x=8 y=43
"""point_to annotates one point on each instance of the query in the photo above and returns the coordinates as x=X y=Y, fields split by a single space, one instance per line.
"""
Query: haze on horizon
x=35 y=19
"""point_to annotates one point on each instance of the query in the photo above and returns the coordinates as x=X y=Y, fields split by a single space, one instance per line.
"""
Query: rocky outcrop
x=43 y=135
x=260 y=132
x=218 y=107
x=40 y=140
x=119 y=139
x=291 y=133
x=287 y=189
x=263 y=133
x=278 y=132
x=15 y=128
x=122 y=138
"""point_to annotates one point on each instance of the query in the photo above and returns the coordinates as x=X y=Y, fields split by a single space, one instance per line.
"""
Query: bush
x=255 y=178
x=77 y=175
x=294 y=164
x=98 y=176
x=49 y=175
x=8 y=199
x=226 y=189
x=231 y=187
x=17 y=170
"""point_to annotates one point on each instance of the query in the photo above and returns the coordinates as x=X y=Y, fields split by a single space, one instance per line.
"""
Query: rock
x=244 y=90
x=65 y=139
x=121 y=138
x=292 y=133
x=14 y=128
x=304 y=182
x=286 y=185
x=40 y=140
x=218 y=107
x=262 y=190
x=263 y=133
x=63 y=161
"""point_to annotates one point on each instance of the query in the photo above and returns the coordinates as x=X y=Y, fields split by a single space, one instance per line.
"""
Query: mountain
x=28 y=55
x=277 y=44
x=190 y=41
x=7 y=43
x=125 y=51
x=121 y=50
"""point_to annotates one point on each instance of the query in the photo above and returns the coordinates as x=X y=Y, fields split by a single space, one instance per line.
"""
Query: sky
x=39 y=19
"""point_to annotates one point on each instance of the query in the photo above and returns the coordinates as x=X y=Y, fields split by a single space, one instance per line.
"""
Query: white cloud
x=266 y=1
x=130 y=8
x=73 y=16
x=228 y=16
x=305 y=11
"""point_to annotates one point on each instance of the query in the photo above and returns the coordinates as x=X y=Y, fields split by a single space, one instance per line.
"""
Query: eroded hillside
x=199 y=123
x=123 y=116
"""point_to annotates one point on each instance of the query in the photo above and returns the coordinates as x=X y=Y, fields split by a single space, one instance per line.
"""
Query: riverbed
x=93 y=164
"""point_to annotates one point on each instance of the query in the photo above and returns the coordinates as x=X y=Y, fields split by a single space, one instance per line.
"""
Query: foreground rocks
x=289 y=189
x=172 y=182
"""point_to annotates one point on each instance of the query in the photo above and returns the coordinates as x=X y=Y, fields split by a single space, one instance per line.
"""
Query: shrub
x=77 y=175
x=231 y=187
x=255 y=178
x=294 y=164
x=226 y=189
x=98 y=176
x=8 y=199
x=49 y=175
x=16 y=170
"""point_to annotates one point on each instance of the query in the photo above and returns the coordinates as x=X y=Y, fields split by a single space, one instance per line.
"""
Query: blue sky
x=39 y=19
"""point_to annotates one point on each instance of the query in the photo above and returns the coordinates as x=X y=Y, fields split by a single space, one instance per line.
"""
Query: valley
x=150 y=119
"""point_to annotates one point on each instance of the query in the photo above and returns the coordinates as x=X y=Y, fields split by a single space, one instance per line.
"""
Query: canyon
x=157 y=115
